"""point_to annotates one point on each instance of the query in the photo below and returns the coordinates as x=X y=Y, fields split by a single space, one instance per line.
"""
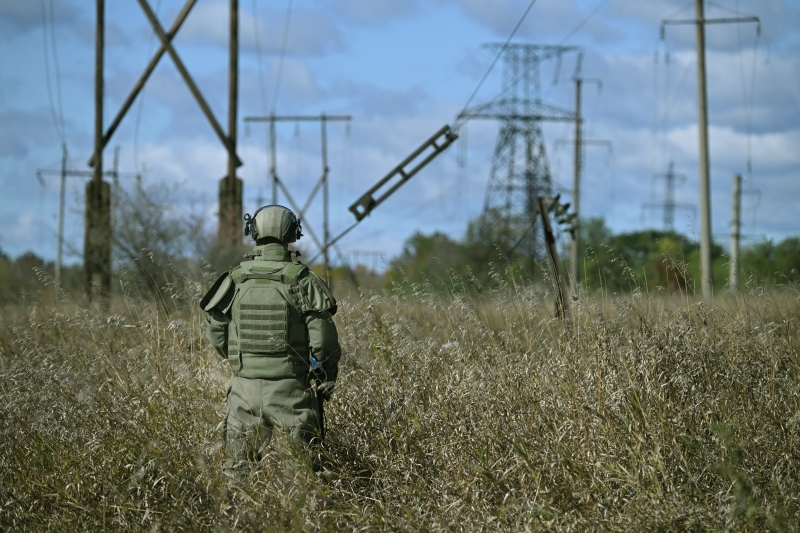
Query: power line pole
x=61 y=198
x=65 y=173
x=230 y=190
x=230 y=187
x=323 y=119
x=520 y=173
x=576 y=187
x=576 y=182
x=326 y=234
x=735 y=233
x=706 y=275
x=97 y=233
x=273 y=168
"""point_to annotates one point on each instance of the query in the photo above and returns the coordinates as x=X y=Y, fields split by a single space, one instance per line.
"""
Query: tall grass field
x=455 y=410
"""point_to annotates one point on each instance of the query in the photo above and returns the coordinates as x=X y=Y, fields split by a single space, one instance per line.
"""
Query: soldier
x=272 y=319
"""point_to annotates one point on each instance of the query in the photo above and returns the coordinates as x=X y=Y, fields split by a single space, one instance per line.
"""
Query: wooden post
x=576 y=190
x=97 y=233
x=562 y=305
x=230 y=190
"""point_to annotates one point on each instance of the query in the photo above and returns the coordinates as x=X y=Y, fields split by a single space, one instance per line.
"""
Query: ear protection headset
x=251 y=228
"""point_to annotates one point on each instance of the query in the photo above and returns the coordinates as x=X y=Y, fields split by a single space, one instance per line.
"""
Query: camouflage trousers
x=256 y=408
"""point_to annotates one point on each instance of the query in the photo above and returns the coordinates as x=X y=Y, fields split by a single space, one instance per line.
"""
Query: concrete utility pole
x=735 y=233
x=699 y=22
x=576 y=181
x=706 y=275
x=97 y=234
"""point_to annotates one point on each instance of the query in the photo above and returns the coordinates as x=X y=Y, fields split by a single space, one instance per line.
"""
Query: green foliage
x=618 y=262
x=30 y=275
x=427 y=257
x=773 y=263
x=491 y=248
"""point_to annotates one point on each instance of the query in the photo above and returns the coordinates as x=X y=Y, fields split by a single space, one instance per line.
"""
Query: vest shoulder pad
x=318 y=294
x=219 y=295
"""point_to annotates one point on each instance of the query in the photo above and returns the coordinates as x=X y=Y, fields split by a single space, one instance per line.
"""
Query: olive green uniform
x=273 y=324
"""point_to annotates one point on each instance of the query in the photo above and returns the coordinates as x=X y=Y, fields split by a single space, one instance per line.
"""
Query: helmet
x=273 y=221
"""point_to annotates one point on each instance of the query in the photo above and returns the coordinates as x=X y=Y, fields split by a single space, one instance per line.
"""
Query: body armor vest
x=267 y=337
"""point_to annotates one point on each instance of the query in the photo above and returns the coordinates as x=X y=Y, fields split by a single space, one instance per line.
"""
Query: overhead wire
x=261 y=82
x=568 y=36
x=656 y=101
x=459 y=121
x=58 y=69
x=58 y=124
x=283 y=54
x=583 y=22
x=748 y=102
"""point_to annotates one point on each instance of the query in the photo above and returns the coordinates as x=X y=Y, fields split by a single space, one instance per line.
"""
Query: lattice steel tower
x=519 y=172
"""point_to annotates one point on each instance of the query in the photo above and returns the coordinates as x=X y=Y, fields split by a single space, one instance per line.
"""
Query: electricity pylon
x=520 y=173
x=669 y=205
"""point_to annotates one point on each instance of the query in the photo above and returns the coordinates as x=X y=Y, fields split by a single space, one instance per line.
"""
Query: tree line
x=156 y=246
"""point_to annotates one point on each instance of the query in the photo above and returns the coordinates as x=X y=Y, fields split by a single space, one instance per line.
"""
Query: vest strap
x=287 y=275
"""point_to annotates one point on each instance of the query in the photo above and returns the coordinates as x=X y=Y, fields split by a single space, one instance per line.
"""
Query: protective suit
x=272 y=319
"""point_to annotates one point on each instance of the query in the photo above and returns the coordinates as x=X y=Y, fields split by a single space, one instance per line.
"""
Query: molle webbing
x=269 y=338
x=262 y=327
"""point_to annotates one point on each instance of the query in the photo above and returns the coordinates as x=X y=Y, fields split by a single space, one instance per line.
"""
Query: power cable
x=654 y=149
x=585 y=20
x=283 y=53
x=458 y=122
x=748 y=102
x=58 y=125
x=58 y=68
x=671 y=105
x=259 y=59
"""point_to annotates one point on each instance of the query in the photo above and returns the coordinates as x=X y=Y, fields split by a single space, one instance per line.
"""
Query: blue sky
x=402 y=70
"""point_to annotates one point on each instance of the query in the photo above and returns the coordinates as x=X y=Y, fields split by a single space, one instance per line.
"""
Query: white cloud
x=310 y=32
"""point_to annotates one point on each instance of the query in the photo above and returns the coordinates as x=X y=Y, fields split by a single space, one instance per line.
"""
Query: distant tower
x=669 y=205
x=519 y=172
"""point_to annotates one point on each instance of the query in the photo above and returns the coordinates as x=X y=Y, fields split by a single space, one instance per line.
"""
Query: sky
x=402 y=70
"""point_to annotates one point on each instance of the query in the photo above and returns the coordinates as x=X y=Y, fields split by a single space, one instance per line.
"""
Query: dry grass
x=453 y=413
